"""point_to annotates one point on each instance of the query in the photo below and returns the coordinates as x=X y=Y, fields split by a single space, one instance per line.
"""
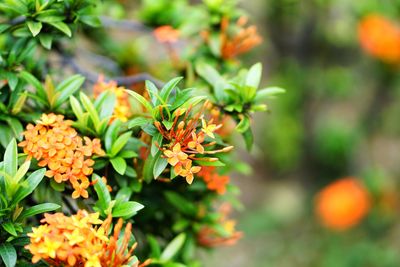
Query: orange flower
x=57 y=146
x=122 y=109
x=81 y=240
x=185 y=139
x=209 y=237
x=166 y=34
x=342 y=204
x=243 y=41
x=176 y=155
x=196 y=142
x=188 y=171
x=380 y=38
x=213 y=180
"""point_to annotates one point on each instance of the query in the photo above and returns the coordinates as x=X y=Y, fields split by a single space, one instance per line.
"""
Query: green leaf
x=21 y=171
x=12 y=80
x=76 y=108
x=19 y=104
x=168 y=87
x=159 y=166
x=253 y=77
x=173 y=247
x=119 y=164
x=106 y=104
x=34 y=27
x=244 y=124
x=155 y=251
x=4 y=27
x=92 y=21
x=168 y=124
x=15 y=126
x=268 y=93
x=141 y=99
x=27 y=186
x=61 y=26
x=38 y=209
x=153 y=92
x=9 y=227
x=90 y=108
x=138 y=122
x=149 y=166
x=11 y=158
x=126 y=210
x=124 y=194
x=8 y=254
x=208 y=73
x=248 y=138
x=181 y=203
x=127 y=154
x=67 y=88
x=46 y=41
x=156 y=142
x=30 y=79
x=120 y=143
x=111 y=134
x=104 y=197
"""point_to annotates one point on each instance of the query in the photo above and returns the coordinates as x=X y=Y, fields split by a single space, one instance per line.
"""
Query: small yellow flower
x=196 y=142
x=49 y=247
x=176 y=155
x=188 y=171
x=208 y=129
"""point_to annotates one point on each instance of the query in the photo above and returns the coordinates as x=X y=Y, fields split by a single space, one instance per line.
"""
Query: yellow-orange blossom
x=57 y=146
x=81 y=240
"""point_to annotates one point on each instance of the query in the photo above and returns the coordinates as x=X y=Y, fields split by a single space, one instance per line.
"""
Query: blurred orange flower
x=245 y=39
x=209 y=237
x=213 y=180
x=342 y=204
x=81 y=240
x=166 y=34
x=57 y=146
x=380 y=38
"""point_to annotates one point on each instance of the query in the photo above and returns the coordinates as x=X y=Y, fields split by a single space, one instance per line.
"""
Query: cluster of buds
x=245 y=39
x=209 y=237
x=122 y=109
x=187 y=141
x=57 y=146
x=213 y=180
x=380 y=37
x=81 y=240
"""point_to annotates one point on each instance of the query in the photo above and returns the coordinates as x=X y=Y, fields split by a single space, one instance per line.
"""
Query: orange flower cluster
x=245 y=40
x=187 y=140
x=380 y=38
x=57 y=146
x=213 y=180
x=81 y=240
x=209 y=237
x=166 y=34
x=342 y=204
x=122 y=109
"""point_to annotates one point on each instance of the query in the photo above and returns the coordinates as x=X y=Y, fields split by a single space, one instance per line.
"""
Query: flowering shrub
x=126 y=151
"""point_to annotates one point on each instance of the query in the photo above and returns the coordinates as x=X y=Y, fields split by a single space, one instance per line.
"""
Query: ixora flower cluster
x=81 y=240
x=57 y=146
x=91 y=166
